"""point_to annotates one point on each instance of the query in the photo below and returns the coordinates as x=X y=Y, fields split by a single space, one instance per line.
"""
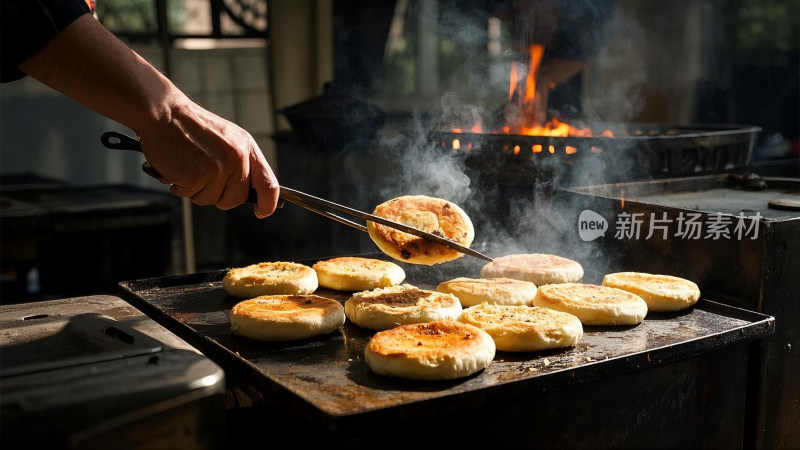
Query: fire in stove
x=527 y=104
x=639 y=151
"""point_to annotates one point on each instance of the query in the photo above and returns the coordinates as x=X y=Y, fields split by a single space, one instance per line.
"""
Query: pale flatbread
x=594 y=305
x=538 y=268
x=525 y=328
x=661 y=292
x=500 y=291
x=348 y=273
x=270 y=278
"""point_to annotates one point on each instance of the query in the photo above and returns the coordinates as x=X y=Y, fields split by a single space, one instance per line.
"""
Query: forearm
x=199 y=154
x=555 y=71
x=89 y=64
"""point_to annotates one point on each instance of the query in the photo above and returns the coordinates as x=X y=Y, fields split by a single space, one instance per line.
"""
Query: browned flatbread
x=440 y=350
x=592 y=304
x=661 y=292
x=384 y=308
x=286 y=317
x=350 y=273
x=429 y=214
x=538 y=268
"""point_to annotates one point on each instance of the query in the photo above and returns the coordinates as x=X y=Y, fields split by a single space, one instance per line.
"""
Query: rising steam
x=510 y=217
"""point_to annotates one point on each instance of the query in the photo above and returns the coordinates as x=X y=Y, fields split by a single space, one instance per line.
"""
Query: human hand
x=209 y=159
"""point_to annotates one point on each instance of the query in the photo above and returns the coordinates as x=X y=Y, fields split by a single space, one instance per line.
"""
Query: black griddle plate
x=326 y=379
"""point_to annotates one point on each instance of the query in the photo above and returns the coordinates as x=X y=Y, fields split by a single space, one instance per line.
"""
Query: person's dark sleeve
x=27 y=25
x=583 y=29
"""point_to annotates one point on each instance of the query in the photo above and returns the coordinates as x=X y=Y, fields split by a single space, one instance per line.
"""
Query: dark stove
x=737 y=236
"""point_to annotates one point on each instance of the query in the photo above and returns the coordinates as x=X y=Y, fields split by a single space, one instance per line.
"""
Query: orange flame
x=536 y=52
x=513 y=80
x=554 y=127
x=526 y=98
x=622 y=197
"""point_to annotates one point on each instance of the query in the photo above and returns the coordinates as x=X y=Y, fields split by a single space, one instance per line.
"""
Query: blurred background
x=340 y=95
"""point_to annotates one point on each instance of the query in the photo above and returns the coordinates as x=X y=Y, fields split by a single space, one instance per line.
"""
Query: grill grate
x=652 y=150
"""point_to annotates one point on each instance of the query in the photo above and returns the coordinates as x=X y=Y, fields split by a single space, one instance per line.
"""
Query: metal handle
x=119 y=141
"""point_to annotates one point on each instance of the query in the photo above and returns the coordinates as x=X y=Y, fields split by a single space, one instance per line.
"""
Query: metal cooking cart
x=677 y=379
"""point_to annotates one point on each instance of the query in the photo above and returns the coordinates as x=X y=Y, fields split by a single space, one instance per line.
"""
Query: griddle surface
x=328 y=377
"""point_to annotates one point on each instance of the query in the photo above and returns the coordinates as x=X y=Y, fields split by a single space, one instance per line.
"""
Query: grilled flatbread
x=525 y=328
x=661 y=292
x=429 y=214
x=592 y=304
x=538 y=268
x=441 y=350
x=384 y=308
x=500 y=291
x=286 y=317
x=270 y=278
x=349 y=273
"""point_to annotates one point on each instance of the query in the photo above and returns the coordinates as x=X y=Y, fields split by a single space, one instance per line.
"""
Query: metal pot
x=334 y=122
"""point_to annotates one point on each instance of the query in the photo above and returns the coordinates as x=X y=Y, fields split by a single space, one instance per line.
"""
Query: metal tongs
x=119 y=141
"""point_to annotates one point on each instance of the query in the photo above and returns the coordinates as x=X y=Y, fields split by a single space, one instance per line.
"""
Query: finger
x=235 y=192
x=201 y=197
x=206 y=197
x=182 y=191
x=265 y=183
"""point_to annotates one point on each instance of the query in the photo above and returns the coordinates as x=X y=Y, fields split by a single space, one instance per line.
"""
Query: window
x=178 y=22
